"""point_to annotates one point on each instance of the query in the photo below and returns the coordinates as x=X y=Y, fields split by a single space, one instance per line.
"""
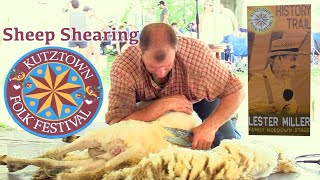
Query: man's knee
x=204 y=108
x=227 y=131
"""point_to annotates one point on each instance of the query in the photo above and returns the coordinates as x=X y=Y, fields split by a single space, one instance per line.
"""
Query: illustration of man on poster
x=275 y=92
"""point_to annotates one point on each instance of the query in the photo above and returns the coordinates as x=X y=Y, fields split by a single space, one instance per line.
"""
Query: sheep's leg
x=98 y=173
x=101 y=159
x=43 y=162
x=87 y=166
x=80 y=144
x=98 y=162
x=58 y=153
x=93 y=152
x=115 y=149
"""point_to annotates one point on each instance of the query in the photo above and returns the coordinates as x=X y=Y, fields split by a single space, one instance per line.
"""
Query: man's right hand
x=178 y=103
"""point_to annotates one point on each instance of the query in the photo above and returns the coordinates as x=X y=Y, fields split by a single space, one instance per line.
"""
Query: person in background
x=77 y=20
x=164 y=16
x=230 y=21
x=149 y=17
x=176 y=74
x=176 y=29
x=134 y=19
x=211 y=25
x=95 y=23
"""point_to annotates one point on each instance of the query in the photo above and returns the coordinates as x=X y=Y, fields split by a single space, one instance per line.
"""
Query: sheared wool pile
x=233 y=159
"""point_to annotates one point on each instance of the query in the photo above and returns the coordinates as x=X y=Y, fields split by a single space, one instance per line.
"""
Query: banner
x=279 y=70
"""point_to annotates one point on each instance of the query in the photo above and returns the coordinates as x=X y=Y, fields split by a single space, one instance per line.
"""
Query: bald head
x=157 y=35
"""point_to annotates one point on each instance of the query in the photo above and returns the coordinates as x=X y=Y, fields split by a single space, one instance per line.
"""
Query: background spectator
x=95 y=23
x=77 y=20
x=164 y=16
x=177 y=29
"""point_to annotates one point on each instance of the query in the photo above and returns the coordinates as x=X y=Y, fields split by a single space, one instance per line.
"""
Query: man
x=176 y=29
x=274 y=91
x=230 y=21
x=164 y=12
x=174 y=73
x=77 y=20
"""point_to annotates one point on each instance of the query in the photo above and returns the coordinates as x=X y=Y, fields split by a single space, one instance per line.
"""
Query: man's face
x=158 y=69
x=284 y=65
x=175 y=27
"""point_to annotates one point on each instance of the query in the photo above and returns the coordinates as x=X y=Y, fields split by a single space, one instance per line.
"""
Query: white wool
x=233 y=159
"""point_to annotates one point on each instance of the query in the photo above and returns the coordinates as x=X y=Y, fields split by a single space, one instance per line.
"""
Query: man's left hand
x=203 y=137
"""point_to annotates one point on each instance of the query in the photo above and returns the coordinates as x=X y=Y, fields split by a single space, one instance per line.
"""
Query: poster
x=279 y=69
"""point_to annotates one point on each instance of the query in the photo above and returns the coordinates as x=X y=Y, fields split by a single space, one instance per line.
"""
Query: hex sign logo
x=53 y=92
x=261 y=19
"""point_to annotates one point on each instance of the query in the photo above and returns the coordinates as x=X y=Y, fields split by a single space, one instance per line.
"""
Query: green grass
x=3 y=126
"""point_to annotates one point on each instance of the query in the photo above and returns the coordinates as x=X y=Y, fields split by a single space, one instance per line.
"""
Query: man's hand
x=178 y=103
x=203 y=137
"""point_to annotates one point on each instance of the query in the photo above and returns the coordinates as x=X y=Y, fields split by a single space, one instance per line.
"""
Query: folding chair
x=238 y=52
x=315 y=48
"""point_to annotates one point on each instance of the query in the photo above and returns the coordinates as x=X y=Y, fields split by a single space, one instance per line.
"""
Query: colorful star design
x=53 y=91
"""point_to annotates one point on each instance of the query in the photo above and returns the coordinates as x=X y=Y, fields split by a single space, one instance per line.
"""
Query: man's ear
x=177 y=47
x=140 y=48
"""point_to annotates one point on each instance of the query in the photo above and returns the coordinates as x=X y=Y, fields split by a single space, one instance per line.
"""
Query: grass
x=6 y=127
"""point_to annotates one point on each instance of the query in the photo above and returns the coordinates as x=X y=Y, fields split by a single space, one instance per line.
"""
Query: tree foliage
x=183 y=12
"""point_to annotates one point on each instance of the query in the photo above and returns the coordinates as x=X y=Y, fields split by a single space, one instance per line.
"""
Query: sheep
x=124 y=142
x=137 y=150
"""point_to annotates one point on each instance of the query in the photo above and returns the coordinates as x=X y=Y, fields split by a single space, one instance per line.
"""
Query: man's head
x=208 y=5
x=174 y=25
x=158 y=43
x=75 y=4
x=162 y=4
x=89 y=11
x=283 y=56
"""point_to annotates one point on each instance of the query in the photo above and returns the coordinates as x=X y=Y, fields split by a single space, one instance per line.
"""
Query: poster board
x=279 y=69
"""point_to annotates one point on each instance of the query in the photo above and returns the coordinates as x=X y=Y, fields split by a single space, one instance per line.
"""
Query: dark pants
x=227 y=131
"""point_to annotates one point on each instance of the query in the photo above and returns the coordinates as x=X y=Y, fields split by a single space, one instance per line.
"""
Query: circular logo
x=53 y=92
x=261 y=19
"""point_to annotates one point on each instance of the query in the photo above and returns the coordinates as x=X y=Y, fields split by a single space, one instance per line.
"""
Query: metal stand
x=197 y=19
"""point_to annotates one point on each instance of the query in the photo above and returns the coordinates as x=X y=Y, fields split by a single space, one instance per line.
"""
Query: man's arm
x=159 y=107
x=228 y=106
x=205 y=133
x=165 y=18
